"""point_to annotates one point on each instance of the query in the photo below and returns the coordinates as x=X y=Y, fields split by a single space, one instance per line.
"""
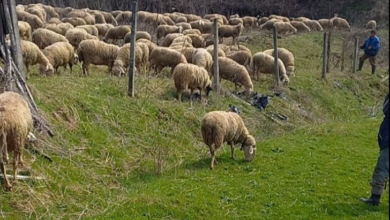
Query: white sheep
x=314 y=25
x=234 y=72
x=242 y=57
x=122 y=59
x=371 y=24
x=300 y=26
x=202 y=58
x=192 y=77
x=164 y=30
x=264 y=63
x=33 y=55
x=24 y=30
x=43 y=37
x=15 y=124
x=116 y=33
x=76 y=35
x=218 y=127
x=59 y=54
x=162 y=57
x=287 y=57
x=96 y=52
x=285 y=28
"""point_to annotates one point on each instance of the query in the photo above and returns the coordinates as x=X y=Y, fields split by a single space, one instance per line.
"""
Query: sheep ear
x=47 y=68
x=251 y=150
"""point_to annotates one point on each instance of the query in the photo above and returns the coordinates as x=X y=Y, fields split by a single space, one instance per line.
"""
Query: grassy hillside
x=117 y=157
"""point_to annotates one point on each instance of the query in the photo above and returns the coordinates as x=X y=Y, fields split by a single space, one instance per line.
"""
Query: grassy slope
x=107 y=145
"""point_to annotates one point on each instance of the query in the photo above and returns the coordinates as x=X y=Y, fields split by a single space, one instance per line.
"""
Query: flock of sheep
x=52 y=37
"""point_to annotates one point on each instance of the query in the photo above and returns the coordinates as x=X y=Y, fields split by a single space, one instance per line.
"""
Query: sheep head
x=48 y=70
x=249 y=148
x=75 y=58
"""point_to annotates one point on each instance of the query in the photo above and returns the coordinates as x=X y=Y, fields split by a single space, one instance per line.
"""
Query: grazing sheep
x=167 y=41
x=181 y=19
x=102 y=29
x=262 y=20
x=164 y=30
x=269 y=25
x=34 y=21
x=301 y=19
x=371 y=25
x=116 y=33
x=300 y=26
x=43 y=37
x=88 y=18
x=233 y=31
x=264 y=63
x=15 y=124
x=60 y=28
x=197 y=40
x=109 y=18
x=241 y=57
x=190 y=76
x=91 y=29
x=122 y=59
x=162 y=57
x=33 y=55
x=314 y=25
x=54 y=21
x=38 y=11
x=96 y=52
x=124 y=17
x=218 y=127
x=24 y=30
x=234 y=16
x=75 y=21
x=192 y=17
x=235 y=21
x=234 y=48
x=249 y=23
x=221 y=17
x=150 y=44
x=183 y=45
x=59 y=54
x=287 y=57
x=184 y=25
x=202 y=58
x=340 y=23
x=210 y=49
x=326 y=23
x=278 y=17
x=76 y=35
x=99 y=17
x=192 y=31
x=234 y=72
x=285 y=28
x=138 y=35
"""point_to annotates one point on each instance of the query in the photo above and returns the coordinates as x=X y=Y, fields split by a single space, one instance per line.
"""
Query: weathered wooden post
x=16 y=51
x=132 y=68
x=215 y=55
x=276 y=66
x=355 y=52
x=324 y=55
x=328 y=49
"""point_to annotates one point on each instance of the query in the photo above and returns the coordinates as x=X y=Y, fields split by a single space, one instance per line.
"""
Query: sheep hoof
x=9 y=188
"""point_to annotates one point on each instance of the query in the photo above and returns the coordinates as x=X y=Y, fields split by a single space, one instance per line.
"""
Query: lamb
x=264 y=63
x=192 y=31
x=115 y=33
x=33 y=55
x=218 y=127
x=340 y=23
x=234 y=72
x=190 y=76
x=75 y=21
x=59 y=54
x=287 y=57
x=15 y=125
x=230 y=31
x=91 y=29
x=241 y=57
x=43 y=37
x=300 y=26
x=76 y=35
x=202 y=58
x=285 y=28
x=162 y=57
x=96 y=52
x=314 y=25
x=371 y=25
x=164 y=30
x=24 y=30
x=326 y=23
x=34 y=21
x=122 y=59
x=60 y=28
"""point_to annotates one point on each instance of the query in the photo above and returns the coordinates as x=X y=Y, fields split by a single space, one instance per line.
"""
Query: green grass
x=117 y=157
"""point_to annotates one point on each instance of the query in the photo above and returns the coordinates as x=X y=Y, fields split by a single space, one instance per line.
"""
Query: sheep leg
x=232 y=150
x=84 y=68
x=179 y=95
x=15 y=166
x=7 y=183
x=70 y=67
x=213 y=159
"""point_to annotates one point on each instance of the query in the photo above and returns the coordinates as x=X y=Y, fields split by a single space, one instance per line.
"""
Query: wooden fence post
x=328 y=49
x=276 y=66
x=132 y=68
x=324 y=55
x=355 y=52
x=215 y=55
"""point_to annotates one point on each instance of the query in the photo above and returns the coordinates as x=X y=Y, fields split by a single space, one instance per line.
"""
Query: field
x=116 y=157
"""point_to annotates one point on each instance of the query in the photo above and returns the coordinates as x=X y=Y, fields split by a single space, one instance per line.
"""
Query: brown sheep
x=229 y=31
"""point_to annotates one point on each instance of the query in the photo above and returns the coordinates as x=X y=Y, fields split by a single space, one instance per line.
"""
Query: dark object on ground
x=260 y=102
x=234 y=109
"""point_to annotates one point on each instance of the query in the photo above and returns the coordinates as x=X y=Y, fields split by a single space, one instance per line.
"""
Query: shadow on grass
x=355 y=209
x=223 y=162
